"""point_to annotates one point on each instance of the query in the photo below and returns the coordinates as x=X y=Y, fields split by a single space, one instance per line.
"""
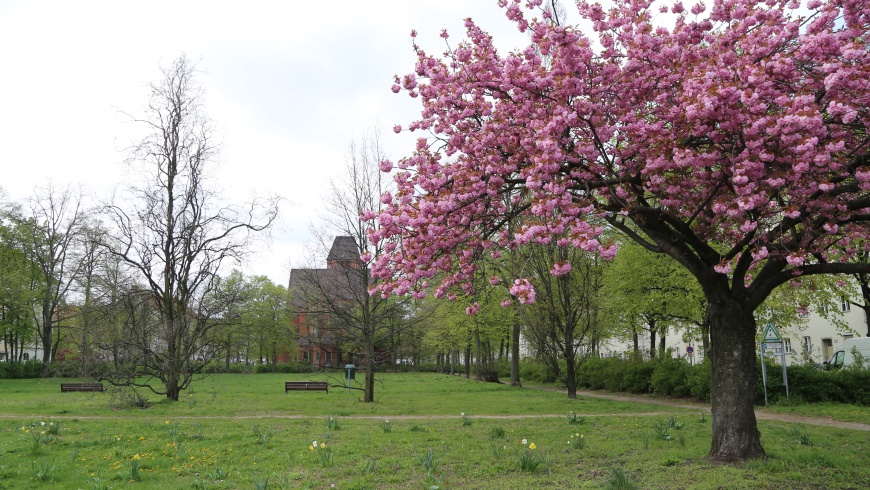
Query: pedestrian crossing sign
x=770 y=334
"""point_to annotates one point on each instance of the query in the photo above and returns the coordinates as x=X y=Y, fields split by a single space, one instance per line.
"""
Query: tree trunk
x=47 y=334
x=478 y=361
x=570 y=371
x=652 y=340
x=229 y=353
x=369 y=386
x=468 y=361
x=733 y=385
x=515 y=355
x=172 y=383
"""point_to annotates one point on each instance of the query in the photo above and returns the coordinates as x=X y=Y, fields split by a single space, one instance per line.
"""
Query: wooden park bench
x=64 y=387
x=306 y=386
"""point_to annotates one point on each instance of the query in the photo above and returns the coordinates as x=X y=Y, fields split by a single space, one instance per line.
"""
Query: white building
x=30 y=352
x=815 y=341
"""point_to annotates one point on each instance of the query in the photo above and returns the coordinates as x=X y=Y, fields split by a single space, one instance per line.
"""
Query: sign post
x=689 y=351
x=772 y=343
x=350 y=371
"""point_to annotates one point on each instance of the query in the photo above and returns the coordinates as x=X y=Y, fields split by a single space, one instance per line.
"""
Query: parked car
x=851 y=351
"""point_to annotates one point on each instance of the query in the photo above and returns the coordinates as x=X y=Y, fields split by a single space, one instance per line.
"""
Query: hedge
x=666 y=376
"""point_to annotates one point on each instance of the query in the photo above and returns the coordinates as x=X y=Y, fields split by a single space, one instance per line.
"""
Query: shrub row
x=811 y=384
x=666 y=376
x=20 y=370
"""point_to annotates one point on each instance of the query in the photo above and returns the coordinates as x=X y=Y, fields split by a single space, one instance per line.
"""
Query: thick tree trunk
x=732 y=338
x=652 y=340
x=515 y=355
x=172 y=384
x=47 y=335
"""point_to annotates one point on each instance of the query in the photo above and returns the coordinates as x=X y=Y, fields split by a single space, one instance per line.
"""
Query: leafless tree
x=335 y=302
x=173 y=229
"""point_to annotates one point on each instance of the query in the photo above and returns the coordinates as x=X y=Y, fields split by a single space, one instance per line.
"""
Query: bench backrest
x=306 y=385
x=81 y=387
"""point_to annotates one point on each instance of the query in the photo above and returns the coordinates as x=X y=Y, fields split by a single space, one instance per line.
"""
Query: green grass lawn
x=242 y=431
x=263 y=394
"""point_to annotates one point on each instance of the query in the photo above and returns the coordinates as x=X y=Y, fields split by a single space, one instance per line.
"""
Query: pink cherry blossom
x=523 y=290
x=473 y=309
x=560 y=268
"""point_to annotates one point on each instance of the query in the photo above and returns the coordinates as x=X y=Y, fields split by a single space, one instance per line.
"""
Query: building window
x=807 y=344
x=26 y=356
x=824 y=308
x=786 y=345
x=329 y=357
x=847 y=336
x=844 y=304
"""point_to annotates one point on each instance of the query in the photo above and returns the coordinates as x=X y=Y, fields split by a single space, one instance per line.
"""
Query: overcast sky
x=289 y=85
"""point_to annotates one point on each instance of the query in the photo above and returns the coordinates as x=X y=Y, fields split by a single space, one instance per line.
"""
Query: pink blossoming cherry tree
x=731 y=137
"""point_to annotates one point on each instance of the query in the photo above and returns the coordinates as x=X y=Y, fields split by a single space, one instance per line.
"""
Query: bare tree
x=173 y=229
x=335 y=302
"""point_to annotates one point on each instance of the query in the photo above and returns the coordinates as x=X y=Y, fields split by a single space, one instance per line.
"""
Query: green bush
x=811 y=384
x=670 y=377
x=20 y=370
x=601 y=374
x=288 y=367
x=698 y=379
x=536 y=372
x=638 y=376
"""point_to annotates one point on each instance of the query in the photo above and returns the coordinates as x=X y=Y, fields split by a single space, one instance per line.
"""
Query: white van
x=846 y=355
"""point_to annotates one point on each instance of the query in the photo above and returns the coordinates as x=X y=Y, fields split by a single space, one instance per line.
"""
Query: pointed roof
x=344 y=249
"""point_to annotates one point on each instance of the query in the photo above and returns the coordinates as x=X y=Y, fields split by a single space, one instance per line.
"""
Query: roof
x=340 y=282
x=344 y=249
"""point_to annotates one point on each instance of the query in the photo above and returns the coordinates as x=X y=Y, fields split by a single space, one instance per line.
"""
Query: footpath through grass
x=47 y=441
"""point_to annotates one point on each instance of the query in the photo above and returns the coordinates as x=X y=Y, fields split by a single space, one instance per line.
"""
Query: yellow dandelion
x=532 y=446
x=311 y=448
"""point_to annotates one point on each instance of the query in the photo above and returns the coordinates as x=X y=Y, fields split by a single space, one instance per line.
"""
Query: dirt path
x=760 y=413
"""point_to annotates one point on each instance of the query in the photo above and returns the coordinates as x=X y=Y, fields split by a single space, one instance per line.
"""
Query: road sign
x=772 y=345
x=770 y=334
x=689 y=350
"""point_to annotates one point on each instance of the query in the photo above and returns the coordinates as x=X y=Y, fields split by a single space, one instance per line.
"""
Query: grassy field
x=242 y=431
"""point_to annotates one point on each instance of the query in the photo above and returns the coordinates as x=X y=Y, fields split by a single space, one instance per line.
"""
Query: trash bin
x=350 y=371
